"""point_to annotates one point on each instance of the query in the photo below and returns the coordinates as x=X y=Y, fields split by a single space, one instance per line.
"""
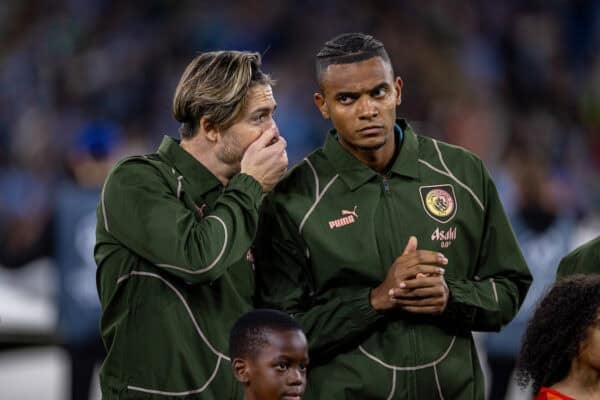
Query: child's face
x=278 y=372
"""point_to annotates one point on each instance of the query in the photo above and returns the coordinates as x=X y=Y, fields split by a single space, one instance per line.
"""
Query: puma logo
x=349 y=217
x=353 y=212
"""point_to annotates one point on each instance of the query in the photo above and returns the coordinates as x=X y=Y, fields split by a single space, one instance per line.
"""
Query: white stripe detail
x=423 y=366
x=435 y=144
x=391 y=396
x=495 y=290
x=199 y=390
x=314 y=171
x=185 y=304
x=449 y=174
x=318 y=195
x=211 y=266
x=104 y=208
x=179 y=185
x=437 y=382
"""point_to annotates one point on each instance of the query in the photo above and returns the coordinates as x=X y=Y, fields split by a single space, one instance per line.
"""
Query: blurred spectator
x=77 y=196
x=67 y=234
x=544 y=229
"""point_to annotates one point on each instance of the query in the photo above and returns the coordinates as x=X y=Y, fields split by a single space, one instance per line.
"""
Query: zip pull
x=386 y=184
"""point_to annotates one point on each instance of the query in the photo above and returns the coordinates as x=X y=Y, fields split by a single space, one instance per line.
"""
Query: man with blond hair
x=173 y=235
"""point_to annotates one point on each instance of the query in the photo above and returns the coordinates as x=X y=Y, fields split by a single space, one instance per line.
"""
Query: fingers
x=266 y=138
x=411 y=245
x=411 y=294
x=425 y=265
x=431 y=300
x=417 y=257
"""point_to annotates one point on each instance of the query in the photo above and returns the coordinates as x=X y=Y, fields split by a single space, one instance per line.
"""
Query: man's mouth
x=371 y=130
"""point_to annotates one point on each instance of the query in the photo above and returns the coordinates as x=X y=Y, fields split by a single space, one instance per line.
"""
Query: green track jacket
x=332 y=229
x=174 y=273
x=583 y=260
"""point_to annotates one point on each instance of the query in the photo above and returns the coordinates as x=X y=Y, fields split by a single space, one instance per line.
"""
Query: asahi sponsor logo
x=445 y=237
x=349 y=217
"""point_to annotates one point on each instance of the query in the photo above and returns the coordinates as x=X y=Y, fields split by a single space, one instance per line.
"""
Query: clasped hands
x=415 y=283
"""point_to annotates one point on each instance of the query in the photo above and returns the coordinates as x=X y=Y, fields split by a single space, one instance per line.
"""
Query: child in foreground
x=269 y=355
x=560 y=356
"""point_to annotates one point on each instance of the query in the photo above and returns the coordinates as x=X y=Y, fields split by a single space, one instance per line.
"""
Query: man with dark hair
x=269 y=355
x=387 y=246
x=583 y=260
x=173 y=235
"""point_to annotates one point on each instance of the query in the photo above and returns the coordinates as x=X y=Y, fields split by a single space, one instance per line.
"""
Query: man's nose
x=367 y=108
x=274 y=127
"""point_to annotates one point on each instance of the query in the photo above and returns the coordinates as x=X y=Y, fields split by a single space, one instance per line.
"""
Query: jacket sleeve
x=491 y=299
x=141 y=211
x=284 y=281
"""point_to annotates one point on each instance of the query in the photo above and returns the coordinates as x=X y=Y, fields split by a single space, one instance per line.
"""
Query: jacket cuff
x=365 y=313
x=458 y=312
x=246 y=184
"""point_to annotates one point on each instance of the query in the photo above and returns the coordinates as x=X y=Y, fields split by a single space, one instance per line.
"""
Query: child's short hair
x=248 y=334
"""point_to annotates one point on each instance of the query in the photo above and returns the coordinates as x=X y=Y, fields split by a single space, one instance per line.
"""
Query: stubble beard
x=231 y=155
x=370 y=148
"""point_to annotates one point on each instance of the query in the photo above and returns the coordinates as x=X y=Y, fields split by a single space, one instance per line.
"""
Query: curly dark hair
x=557 y=329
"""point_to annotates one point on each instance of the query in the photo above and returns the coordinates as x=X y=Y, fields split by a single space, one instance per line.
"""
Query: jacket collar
x=193 y=171
x=354 y=173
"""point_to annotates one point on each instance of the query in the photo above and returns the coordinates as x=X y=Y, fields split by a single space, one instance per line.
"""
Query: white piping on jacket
x=318 y=193
x=449 y=174
x=211 y=266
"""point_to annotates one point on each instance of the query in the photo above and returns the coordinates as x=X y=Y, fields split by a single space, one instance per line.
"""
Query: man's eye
x=379 y=92
x=345 y=99
x=260 y=118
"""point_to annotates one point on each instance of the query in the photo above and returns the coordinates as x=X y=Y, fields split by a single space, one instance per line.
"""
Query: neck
x=378 y=160
x=202 y=151
x=582 y=383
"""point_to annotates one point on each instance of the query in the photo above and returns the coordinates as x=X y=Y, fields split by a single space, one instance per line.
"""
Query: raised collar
x=354 y=173
x=193 y=171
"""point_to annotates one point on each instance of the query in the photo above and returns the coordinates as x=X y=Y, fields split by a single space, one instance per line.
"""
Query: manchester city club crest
x=439 y=201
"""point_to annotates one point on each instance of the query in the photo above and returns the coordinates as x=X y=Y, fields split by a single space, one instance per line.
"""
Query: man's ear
x=209 y=130
x=398 y=86
x=321 y=104
x=241 y=370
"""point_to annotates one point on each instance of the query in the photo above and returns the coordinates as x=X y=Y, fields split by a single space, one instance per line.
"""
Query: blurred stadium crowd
x=85 y=82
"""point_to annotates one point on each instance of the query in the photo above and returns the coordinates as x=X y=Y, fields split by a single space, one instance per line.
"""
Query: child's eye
x=303 y=367
x=281 y=366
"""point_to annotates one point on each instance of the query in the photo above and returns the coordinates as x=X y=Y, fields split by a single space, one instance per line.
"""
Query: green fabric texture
x=583 y=260
x=331 y=230
x=174 y=274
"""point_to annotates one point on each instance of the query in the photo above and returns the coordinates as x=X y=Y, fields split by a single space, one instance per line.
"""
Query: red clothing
x=551 y=394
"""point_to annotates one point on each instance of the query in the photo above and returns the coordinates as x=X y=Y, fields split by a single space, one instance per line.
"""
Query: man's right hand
x=406 y=267
x=266 y=159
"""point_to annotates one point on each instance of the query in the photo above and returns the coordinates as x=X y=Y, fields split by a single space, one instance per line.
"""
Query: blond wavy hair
x=215 y=85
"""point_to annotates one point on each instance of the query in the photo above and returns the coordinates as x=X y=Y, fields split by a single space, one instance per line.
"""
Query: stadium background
x=517 y=82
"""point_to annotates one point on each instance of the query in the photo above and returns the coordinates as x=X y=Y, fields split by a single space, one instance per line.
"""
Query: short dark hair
x=215 y=84
x=349 y=48
x=249 y=334
x=557 y=329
